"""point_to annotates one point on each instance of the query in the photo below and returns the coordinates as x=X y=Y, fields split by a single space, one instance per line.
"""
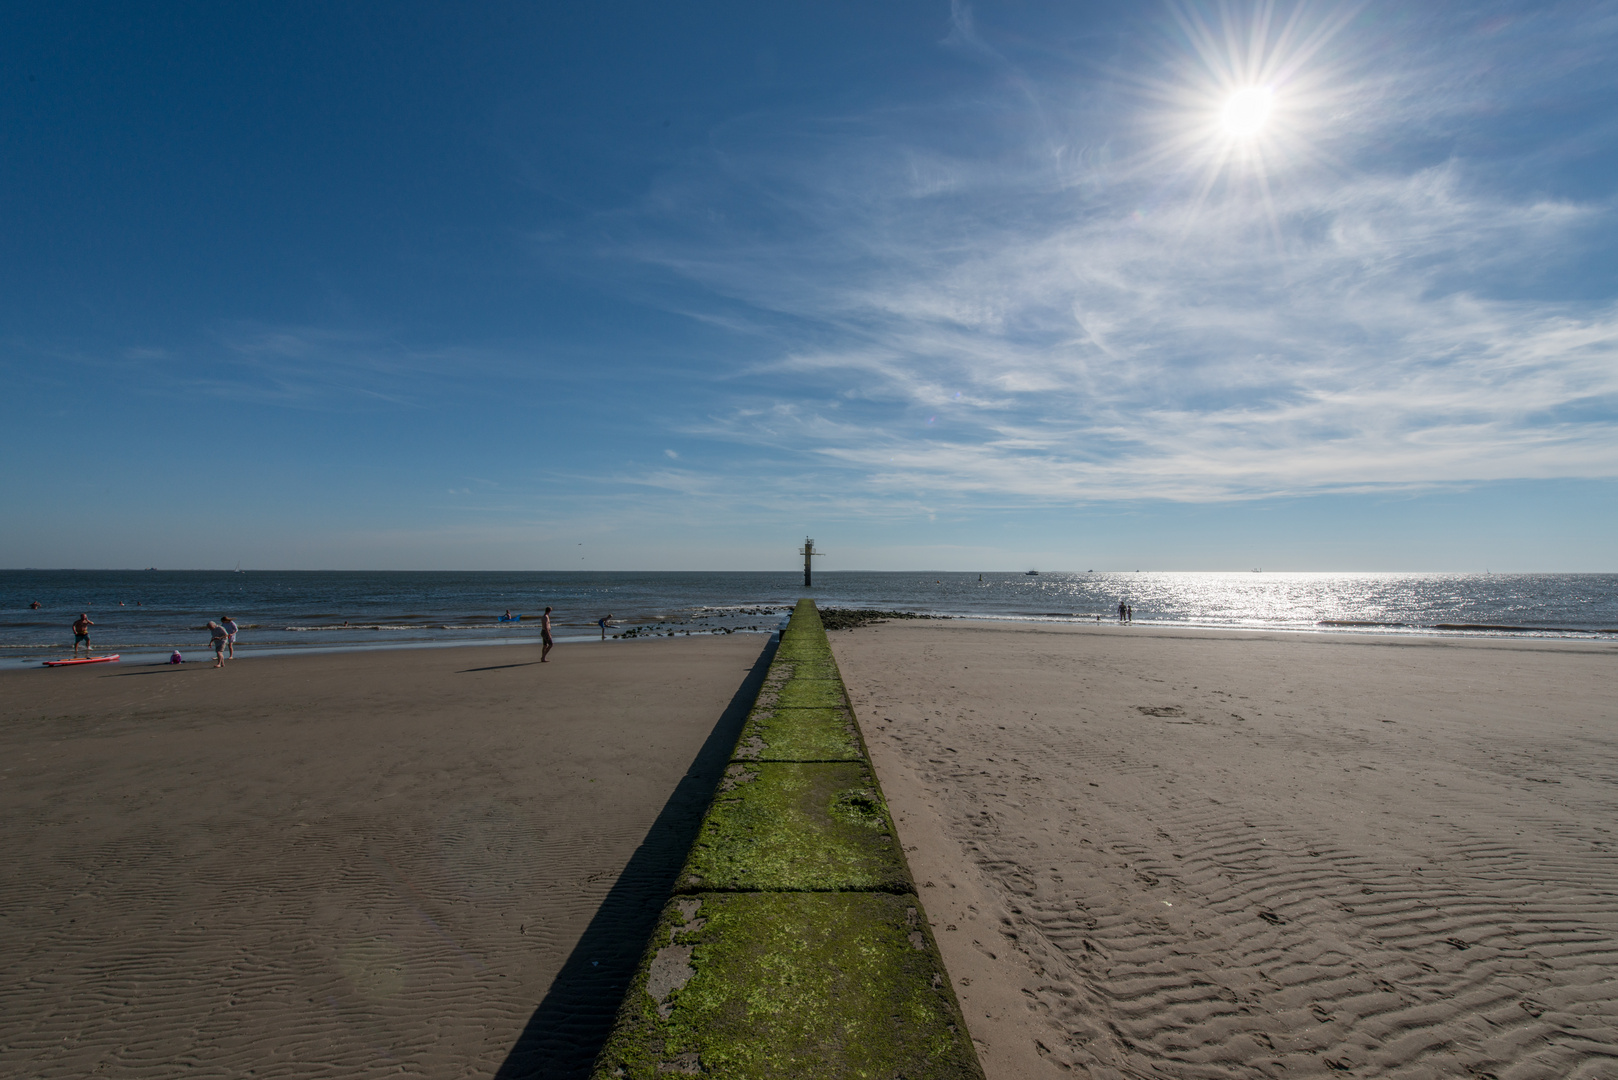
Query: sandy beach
x=439 y=862
x=1175 y=854
x=1146 y=853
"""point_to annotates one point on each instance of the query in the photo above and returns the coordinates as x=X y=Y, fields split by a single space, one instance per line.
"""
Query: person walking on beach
x=216 y=638
x=545 y=637
x=230 y=634
x=81 y=632
x=604 y=623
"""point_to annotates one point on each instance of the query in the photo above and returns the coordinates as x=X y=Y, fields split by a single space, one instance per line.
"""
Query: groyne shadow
x=561 y=1039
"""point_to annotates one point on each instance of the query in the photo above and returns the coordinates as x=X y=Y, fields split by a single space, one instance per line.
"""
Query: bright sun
x=1246 y=111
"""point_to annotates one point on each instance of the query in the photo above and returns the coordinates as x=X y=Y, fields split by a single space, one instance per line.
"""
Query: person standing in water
x=230 y=635
x=604 y=623
x=81 y=632
x=545 y=636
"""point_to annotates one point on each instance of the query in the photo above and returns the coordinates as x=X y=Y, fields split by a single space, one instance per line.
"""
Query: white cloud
x=1344 y=329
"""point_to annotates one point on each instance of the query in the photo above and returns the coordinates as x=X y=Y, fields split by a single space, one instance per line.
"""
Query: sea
x=149 y=613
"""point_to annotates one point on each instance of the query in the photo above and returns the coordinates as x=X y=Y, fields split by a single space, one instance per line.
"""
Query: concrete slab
x=800 y=735
x=781 y=826
x=783 y=669
x=799 y=647
x=813 y=986
x=805 y=694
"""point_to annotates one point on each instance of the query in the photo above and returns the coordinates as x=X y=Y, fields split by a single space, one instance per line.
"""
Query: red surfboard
x=85 y=660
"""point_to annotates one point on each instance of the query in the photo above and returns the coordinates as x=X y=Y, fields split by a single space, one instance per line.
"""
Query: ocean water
x=154 y=611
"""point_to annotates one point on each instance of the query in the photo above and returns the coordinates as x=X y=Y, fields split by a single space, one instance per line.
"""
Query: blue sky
x=637 y=286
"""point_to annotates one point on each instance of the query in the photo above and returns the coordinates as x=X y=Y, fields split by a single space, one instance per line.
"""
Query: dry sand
x=431 y=863
x=1169 y=854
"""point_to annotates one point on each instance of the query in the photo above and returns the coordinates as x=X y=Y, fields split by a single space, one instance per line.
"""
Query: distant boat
x=1032 y=573
x=239 y=569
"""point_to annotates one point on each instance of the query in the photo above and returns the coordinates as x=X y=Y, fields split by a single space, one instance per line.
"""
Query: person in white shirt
x=230 y=635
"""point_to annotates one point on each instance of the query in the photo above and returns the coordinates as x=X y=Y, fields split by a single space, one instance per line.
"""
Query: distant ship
x=1032 y=573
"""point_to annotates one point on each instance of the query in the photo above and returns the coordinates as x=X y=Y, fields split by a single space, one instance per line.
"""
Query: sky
x=1177 y=286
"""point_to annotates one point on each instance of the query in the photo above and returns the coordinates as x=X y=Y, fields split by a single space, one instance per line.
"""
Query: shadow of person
x=562 y=1038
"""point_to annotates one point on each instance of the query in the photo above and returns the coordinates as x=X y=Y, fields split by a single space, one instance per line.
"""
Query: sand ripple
x=1250 y=859
x=337 y=866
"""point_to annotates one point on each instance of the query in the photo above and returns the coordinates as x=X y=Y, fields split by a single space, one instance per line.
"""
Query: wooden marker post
x=809 y=553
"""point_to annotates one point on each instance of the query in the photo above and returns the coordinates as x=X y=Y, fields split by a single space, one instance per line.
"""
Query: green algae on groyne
x=795 y=944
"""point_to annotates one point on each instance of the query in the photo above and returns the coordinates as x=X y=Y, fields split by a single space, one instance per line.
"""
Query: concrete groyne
x=795 y=944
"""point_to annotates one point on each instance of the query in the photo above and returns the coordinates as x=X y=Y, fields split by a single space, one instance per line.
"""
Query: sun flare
x=1246 y=111
x=1238 y=95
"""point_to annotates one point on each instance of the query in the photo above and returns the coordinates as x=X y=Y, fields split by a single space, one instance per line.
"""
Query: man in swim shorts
x=230 y=635
x=81 y=632
x=545 y=637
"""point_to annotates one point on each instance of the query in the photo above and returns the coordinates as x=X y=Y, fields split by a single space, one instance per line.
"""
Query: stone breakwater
x=795 y=943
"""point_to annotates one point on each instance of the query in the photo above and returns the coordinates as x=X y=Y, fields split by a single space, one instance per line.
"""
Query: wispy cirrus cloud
x=1026 y=324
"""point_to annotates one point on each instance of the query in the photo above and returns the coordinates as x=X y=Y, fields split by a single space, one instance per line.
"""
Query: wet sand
x=1174 y=854
x=433 y=863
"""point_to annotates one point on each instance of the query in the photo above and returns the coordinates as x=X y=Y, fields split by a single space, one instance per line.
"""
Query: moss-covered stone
x=800 y=647
x=800 y=735
x=795 y=945
x=805 y=615
x=785 y=826
x=784 y=670
x=806 y=985
x=806 y=694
